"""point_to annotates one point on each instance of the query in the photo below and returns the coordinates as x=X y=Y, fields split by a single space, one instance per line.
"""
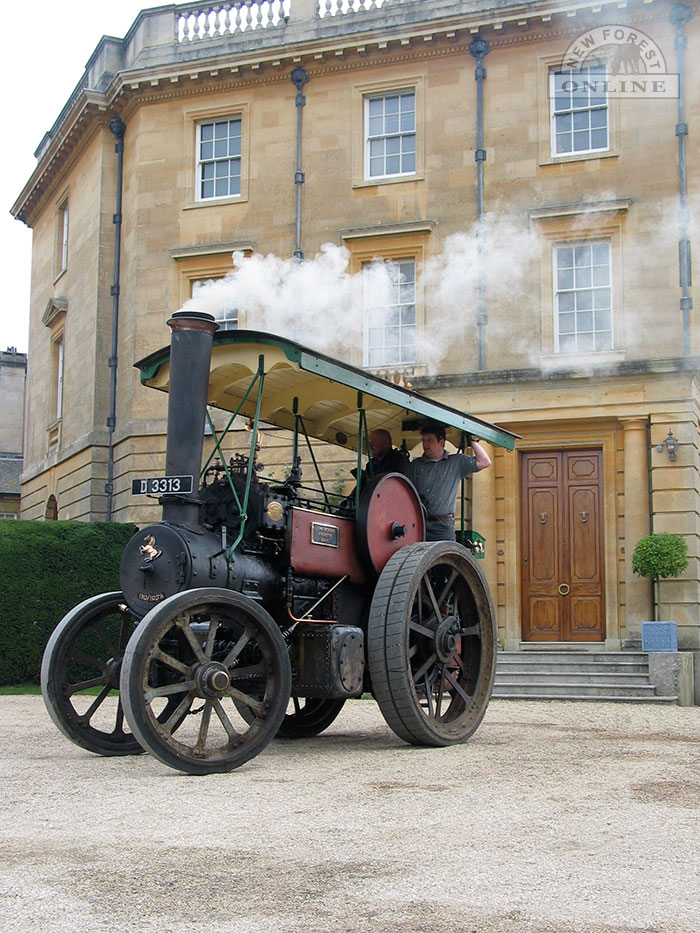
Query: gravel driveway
x=554 y=817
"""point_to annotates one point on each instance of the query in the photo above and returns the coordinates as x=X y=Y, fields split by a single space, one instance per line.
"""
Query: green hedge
x=46 y=568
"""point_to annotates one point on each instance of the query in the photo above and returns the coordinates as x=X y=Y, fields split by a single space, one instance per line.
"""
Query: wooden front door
x=562 y=546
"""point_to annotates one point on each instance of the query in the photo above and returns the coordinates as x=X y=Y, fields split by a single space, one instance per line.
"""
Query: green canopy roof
x=328 y=393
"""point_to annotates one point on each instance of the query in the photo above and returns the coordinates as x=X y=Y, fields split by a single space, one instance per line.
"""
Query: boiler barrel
x=190 y=358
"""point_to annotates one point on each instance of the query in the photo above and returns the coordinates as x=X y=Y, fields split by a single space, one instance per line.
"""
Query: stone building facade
x=13 y=375
x=533 y=200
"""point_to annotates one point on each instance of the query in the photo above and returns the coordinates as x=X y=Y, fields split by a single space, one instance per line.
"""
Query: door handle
x=564 y=589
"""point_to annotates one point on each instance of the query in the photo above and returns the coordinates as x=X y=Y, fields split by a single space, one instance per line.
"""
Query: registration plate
x=161 y=485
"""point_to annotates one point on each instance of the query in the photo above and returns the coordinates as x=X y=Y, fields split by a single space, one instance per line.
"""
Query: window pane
x=565 y=256
x=579 y=113
x=566 y=301
x=584 y=321
x=219 y=158
x=390 y=135
x=581 y=328
x=582 y=255
x=584 y=300
x=567 y=343
x=393 y=342
x=565 y=278
x=566 y=323
x=391 y=124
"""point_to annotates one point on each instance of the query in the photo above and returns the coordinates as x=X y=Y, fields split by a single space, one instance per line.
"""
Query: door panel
x=562 y=553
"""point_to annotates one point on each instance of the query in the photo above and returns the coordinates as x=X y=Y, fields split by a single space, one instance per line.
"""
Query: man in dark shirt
x=383 y=456
x=437 y=475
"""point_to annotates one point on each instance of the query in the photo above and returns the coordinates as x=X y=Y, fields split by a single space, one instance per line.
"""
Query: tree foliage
x=660 y=555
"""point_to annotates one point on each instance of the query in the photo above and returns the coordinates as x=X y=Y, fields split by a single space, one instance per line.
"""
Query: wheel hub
x=446 y=638
x=212 y=679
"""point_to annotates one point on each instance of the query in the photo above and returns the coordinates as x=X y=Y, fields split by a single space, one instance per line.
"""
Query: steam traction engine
x=256 y=607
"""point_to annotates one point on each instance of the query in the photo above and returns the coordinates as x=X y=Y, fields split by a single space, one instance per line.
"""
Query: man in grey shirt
x=437 y=475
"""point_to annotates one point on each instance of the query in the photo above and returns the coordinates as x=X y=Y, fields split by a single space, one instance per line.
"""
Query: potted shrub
x=660 y=555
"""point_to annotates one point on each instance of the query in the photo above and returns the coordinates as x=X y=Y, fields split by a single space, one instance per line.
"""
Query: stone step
x=563 y=688
x=570 y=673
x=621 y=678
x=555 y=664
x=601 y=698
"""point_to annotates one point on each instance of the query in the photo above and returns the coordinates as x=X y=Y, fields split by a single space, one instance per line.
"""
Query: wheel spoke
x=447 y=587
x=470 y=630
x=246 y=635
x=431 y=596
x=173 y=721
x=224 y=720
x=106 y=641
x=421 y=629
x=119 y=720
x=183 y=623
x=458 y=687
x=125 y=632
x=99 y=699
x=85 y=685
x=168 y=659
x=211 y=636
x=200 y=746
x=245 y=699
x=425 y=666
x=77 y=655
x=168 y=690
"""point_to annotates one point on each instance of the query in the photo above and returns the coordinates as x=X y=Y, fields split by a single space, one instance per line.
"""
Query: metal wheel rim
x=67 y=648
x=432 y=646
x=254 y=660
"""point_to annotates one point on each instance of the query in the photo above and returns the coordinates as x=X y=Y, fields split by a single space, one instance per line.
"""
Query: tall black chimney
x=190 y=357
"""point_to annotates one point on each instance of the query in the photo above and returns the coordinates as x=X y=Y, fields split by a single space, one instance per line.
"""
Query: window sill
x=388 y=180
x=397 y=373
x=216 y=202
x=579 y=157
x=564 y=361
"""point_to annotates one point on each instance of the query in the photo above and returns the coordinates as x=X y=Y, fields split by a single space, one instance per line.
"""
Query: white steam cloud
x=319 y=303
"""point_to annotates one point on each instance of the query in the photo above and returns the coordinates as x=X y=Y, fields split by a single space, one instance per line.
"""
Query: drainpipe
x=480 y=48
x=118 y=129
x=299 y=78
x=680 y=15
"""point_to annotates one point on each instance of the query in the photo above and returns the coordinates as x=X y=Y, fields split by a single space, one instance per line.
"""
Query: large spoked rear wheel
x=432 y=644
x=80 y=675
x=222 y=658
x=309 y=716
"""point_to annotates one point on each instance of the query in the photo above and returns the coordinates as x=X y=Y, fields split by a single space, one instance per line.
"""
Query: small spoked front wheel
x=432 y=644
x=80 y=675
x=220 y=660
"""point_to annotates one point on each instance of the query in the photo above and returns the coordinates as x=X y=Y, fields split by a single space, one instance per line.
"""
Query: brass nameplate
x=326 y=535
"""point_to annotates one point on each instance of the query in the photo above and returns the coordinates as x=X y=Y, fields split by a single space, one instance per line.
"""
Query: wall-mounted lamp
x=671 y=445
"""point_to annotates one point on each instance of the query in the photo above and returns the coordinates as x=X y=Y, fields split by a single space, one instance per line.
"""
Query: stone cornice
x=501 y=377
x=198 y=67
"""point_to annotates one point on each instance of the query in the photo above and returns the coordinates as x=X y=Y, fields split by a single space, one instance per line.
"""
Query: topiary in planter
x=660 y=555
